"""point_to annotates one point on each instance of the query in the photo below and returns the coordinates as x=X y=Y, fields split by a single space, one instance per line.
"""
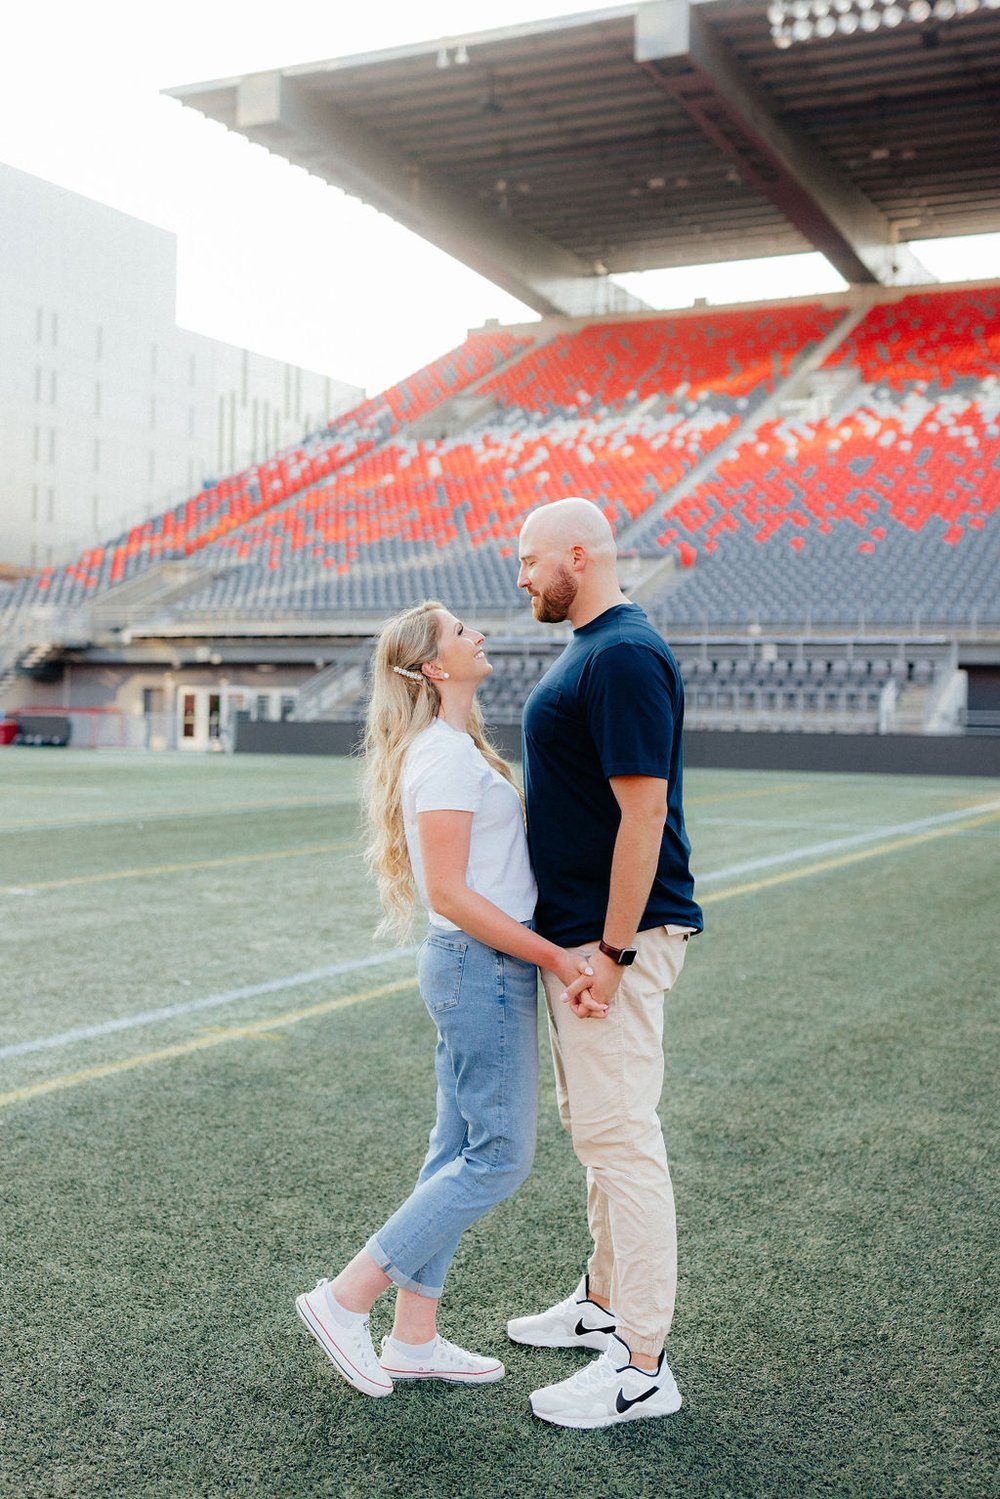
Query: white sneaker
x=349 y=1348
x=608 y=1391
x=445 y=1361
x=576 y=1322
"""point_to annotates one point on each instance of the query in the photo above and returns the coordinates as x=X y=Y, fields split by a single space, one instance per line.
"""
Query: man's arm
x=643 y=804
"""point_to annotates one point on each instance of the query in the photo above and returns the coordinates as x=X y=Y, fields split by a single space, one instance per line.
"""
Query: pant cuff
x=635 y=1343
x=404 y=1282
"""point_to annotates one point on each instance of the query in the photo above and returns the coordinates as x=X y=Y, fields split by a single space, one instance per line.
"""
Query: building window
x=52 y=387
x=38 y=382
x=55 y=329
x=52 y=444
x=39 y=317
x=50 y=504
x=152 y=465
x=152 y=359
x=97 y=397
x=152 y=413
x=97 y=455
x=34 y=502
x=96 y=511
x=37 y=443
x=190 y=421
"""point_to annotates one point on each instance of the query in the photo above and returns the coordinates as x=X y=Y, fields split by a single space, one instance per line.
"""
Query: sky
x=269 y=257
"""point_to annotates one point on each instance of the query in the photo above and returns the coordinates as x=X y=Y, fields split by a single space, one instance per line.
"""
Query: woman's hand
x=576 y=975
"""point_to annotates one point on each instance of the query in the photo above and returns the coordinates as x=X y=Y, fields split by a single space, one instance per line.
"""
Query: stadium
x=806 y=499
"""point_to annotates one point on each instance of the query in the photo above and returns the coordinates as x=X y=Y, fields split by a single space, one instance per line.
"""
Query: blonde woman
x=443 y=815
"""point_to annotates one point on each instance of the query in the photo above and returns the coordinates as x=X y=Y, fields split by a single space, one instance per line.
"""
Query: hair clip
x=414 y=676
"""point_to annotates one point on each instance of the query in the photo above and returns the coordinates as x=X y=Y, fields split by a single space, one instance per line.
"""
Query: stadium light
x=801 y=20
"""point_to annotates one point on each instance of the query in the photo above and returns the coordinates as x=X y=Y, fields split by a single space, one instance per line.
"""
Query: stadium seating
x=884 y=512
x=226 y=505
x=662 y=393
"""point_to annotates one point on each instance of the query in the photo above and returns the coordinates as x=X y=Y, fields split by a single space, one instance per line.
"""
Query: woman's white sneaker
x=576 y=1322
x=443 y=1361
x=608 y=1391
x=348 y=1346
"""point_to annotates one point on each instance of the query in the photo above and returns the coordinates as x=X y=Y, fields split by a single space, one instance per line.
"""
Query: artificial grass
x=828 y=1112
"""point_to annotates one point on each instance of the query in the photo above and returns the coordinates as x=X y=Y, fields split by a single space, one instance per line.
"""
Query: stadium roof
x=668 y=133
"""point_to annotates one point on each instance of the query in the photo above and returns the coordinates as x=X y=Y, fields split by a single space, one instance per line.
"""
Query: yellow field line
x=216 y=1037
x=150 y=869
x=876 y=851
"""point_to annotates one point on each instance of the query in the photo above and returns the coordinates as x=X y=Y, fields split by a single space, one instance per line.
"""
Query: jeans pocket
x=440 y=964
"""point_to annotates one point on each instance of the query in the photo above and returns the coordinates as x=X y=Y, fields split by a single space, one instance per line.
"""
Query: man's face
x=546 y=577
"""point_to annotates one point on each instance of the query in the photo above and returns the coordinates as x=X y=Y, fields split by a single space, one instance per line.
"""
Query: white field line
x=837 y=845
x=296 y=980
x=192 y=1006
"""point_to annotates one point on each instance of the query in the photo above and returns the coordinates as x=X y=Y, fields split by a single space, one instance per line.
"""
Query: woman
x=443 y=814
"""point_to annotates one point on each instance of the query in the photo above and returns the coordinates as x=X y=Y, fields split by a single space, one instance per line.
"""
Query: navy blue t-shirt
x=611 y=705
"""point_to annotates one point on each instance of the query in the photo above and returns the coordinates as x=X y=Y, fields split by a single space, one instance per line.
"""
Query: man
x=602 y=774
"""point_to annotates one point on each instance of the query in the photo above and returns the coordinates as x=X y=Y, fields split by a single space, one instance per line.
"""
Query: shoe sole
x=597 y=1342
x=583 y=1423
x=488 y=1376
x=340 y=1360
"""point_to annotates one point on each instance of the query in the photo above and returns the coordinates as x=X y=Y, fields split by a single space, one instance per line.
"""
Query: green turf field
x=170 y=1182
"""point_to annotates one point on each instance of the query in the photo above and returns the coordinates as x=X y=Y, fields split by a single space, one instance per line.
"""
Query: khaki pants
x=609 y=1075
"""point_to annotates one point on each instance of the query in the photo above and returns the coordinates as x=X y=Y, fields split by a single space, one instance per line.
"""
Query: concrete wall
x=890 y=754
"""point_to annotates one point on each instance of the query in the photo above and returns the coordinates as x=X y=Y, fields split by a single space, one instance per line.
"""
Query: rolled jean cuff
x=404 y=1282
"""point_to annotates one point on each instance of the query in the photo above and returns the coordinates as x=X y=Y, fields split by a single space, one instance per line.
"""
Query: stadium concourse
x=805 y=496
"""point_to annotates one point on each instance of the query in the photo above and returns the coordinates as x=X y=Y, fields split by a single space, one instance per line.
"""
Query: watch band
x=623 y=956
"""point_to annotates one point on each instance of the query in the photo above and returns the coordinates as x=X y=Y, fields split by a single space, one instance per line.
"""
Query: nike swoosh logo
x=582 y=1329
x=622 y=1405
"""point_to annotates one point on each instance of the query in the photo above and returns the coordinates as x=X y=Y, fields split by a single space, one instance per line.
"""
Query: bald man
x=602 y=775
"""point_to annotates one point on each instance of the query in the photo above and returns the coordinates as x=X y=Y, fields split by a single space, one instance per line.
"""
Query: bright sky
x=269 y=257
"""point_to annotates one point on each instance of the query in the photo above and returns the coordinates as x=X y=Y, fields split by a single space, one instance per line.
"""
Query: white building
x=109 y=412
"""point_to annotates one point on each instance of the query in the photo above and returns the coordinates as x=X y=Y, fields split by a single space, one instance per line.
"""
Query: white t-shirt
x=445 y=772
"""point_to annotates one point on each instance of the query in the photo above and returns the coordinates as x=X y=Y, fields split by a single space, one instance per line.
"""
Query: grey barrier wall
x=889 y=754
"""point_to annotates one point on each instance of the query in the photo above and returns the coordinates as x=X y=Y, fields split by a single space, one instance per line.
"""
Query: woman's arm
x=445 y=839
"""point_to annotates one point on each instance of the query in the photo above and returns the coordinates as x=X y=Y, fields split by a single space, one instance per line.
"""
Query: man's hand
x=591 y=994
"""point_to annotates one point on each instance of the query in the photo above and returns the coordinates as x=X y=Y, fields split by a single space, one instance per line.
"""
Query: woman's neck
x=455 y=705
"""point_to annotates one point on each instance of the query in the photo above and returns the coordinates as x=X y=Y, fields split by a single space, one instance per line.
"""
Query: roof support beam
x=678 y=48
x=280 y=114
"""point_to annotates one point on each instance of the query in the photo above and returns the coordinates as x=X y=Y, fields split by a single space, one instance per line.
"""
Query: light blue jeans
x=483 y=1141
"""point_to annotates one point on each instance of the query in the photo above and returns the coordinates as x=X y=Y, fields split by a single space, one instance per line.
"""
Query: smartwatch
x=623 y=956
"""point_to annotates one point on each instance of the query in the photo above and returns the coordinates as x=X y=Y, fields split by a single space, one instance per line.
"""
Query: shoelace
x=601 y=1371
x=449 y=1353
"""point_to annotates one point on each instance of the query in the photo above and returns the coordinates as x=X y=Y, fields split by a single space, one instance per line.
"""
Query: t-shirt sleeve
x=631 y=703
x=446 y=778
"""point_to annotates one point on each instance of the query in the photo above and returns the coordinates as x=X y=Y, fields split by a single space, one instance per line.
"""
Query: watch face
x=628 y=955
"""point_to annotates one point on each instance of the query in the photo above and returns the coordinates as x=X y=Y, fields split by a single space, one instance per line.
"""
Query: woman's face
x=460 y=650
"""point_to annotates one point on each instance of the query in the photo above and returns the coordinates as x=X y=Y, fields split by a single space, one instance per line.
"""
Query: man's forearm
x=633 y=869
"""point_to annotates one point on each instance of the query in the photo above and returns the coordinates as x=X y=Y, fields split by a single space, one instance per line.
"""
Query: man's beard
x=553 y=606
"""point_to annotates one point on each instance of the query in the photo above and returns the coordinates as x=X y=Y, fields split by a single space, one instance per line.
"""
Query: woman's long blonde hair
x=399 y=708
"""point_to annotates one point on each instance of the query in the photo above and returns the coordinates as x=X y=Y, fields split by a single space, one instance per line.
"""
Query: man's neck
x=584 y=611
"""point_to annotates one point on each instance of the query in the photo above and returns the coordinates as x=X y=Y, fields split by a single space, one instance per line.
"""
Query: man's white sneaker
x=348 y=1347
x=608 y=1391
x=444 y=1361
x=576 y=1322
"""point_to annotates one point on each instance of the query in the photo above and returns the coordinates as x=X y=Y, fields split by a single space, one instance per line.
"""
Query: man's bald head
x=563 y=524
x=568 y=561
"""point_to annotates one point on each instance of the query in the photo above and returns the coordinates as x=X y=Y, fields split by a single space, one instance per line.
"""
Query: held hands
x=589 y=995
